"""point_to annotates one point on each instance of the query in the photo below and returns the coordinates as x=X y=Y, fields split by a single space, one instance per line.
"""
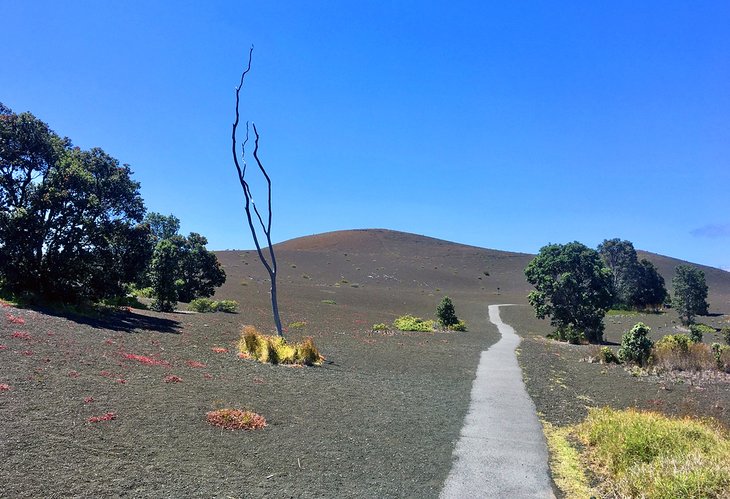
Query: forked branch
x=270 y=266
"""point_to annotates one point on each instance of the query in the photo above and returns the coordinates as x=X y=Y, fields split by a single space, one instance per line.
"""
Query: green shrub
x=676 y=342
x=459 y=326
x=411 y=323
x=696 y=332
x=143 y=292
x=329 y=302
x=725 y=332
x=206 y=305
x=636 y=345
x=568 y=333
x=202 y=305
x=228 y=306
x=380 y=327
x=722 y=356
x=297 y=325
x=445 y=312
x=606 y=356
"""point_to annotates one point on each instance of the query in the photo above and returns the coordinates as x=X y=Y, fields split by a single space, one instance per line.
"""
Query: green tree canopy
x=69 y=219
x=446 y=313
x=690 y=293
x=650 y=291
x=572 y=287
x=197 y=271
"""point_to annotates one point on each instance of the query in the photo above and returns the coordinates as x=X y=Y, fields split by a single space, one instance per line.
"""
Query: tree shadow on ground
x=119 y=320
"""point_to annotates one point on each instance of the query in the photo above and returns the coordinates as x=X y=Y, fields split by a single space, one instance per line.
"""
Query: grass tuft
x=645 y=454
x=276 y=350
x=565 y=464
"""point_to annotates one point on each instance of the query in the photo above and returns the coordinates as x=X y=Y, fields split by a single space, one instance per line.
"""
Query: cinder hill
x=377 y=274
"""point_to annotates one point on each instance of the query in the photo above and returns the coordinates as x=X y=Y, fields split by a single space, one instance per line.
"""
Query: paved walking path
x=501 y=451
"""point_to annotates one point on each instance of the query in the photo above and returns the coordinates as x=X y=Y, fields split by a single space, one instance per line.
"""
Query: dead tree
x=270 y=266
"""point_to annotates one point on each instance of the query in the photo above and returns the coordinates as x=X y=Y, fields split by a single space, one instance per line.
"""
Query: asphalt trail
x=501 y=451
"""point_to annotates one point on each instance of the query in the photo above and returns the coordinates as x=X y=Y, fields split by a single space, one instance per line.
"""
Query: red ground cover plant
x=195 y=363
x=14 y=319
x=3 y=347
x=219 y=350
x=144 y=359
x=109 y=416
x=235 y=419
x=88 y=400
x=173 y=379
x=27 y=353
x=4 y=387
x=73 y=374
x=21 y=336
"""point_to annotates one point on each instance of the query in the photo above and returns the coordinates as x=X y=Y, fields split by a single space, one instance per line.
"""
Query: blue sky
x=505 y=125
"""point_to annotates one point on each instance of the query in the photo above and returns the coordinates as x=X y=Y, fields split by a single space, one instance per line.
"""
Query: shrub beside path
x=501 y=451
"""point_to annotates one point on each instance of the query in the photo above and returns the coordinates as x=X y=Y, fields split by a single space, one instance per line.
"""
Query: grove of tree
x=573 y=288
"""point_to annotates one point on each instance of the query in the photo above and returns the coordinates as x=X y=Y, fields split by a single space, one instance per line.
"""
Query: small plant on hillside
x=446 y=313
x=380 y=327
x=276 y=350
x=568 y=333
x=235 y=419
x=459 y=326
x=605 y=355
x=636 y=345
x=329 y=302
x=227 y=306
x=678 y=353
x=722 y=356
x=201 y=305
x=206 y=305
x=297 y=325
x=411 y=323
x=725 y=332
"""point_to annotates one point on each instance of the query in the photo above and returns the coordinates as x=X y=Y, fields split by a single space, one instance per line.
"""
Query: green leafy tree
x=162 y=226
x=620 y=257
x=69 y=219
x=650 y=291
x=690 y=293
x=163 y=269
x=198 y=271
x=446 y=313
x=572 y=287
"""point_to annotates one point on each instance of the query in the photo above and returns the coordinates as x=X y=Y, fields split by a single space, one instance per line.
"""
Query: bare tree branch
x=271 y=267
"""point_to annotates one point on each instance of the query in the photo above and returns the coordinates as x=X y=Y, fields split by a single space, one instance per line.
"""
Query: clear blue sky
x=506 y=125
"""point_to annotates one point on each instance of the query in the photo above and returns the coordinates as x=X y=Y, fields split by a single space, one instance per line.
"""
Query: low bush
x=329 y=302
x=725 y=332
x=380 y=327
x=678 y=353
x=645 y=454
x=411 y=323
x=459 y=326
x=722 y=356
x=227 y=306
x=568 y=333
x=206 y=305
x=297 y=325
x=636 y=345
x=276 y=350
x=702 y=328
x=201 y=305
x=606 y=356
x=235 y=419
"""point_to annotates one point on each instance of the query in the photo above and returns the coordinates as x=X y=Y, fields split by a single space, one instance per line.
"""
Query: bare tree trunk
x=271 y=267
